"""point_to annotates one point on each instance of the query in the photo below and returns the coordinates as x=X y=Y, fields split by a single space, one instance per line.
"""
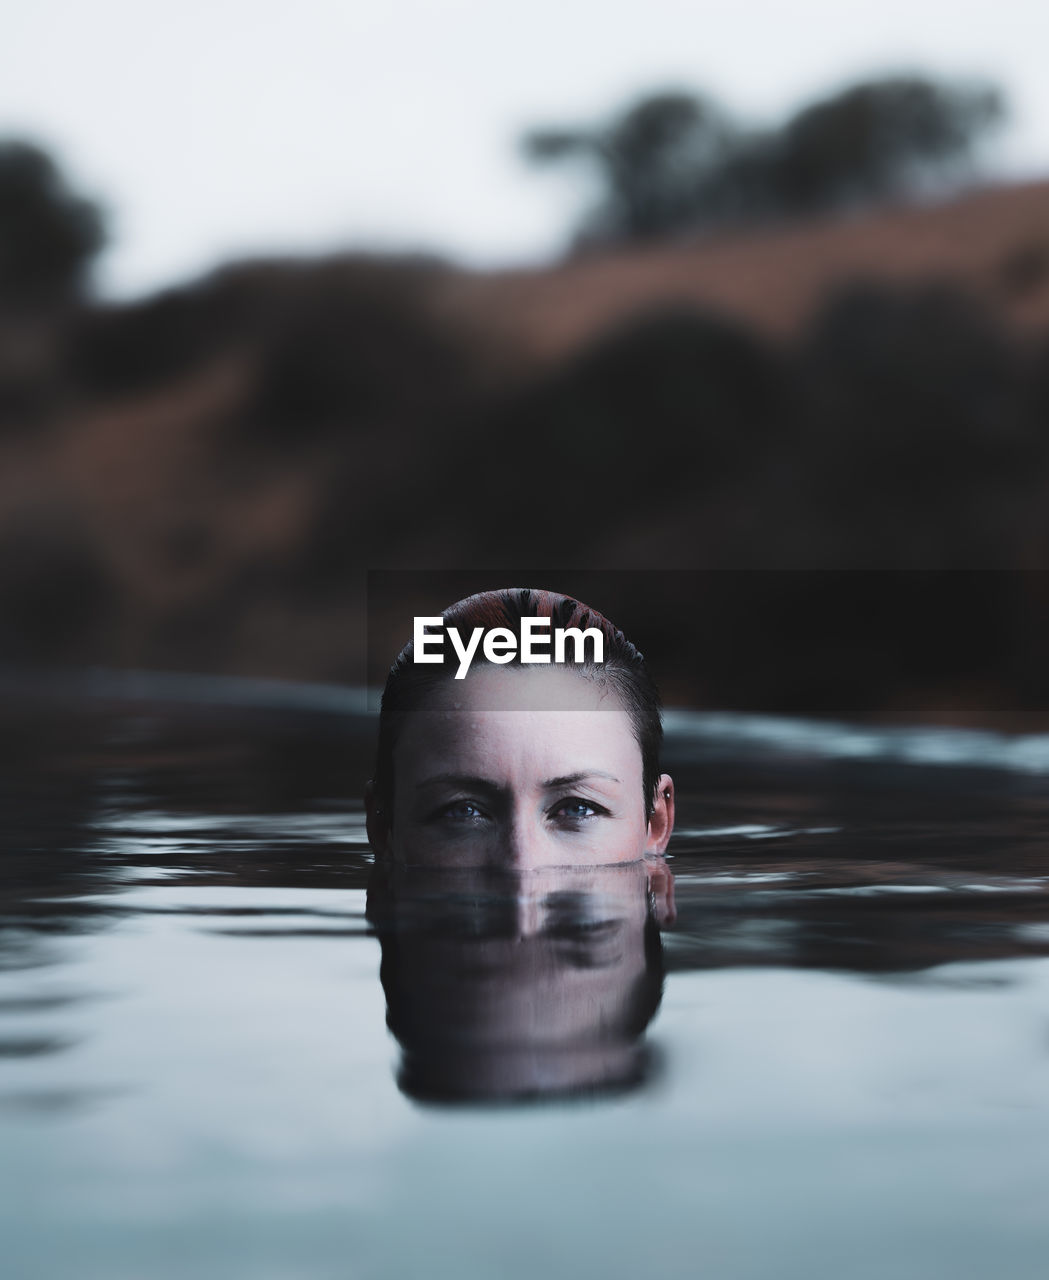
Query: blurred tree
x=877 y=140
x=48 y=235
x=648 y=161
x=675 y=161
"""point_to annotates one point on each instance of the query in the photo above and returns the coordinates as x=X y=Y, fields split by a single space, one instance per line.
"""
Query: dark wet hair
x=623 y=671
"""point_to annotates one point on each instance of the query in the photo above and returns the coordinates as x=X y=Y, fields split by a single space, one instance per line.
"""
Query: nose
x=528 y=913
x=524 y=846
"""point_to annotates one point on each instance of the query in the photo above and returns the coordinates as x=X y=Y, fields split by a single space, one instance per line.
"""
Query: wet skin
x=520 y=769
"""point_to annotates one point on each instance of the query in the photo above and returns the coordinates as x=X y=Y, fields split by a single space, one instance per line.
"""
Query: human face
x=522 y=768
x=503 y=983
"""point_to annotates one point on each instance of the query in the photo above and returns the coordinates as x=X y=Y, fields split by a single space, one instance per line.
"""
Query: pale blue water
x=847 y=1075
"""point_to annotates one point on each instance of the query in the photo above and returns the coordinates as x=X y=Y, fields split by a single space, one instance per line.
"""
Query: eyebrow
x=458 y=780
x=570 y=779
x=551 y=784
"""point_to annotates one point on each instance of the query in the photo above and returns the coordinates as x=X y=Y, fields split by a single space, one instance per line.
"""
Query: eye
x=573 y=810
x=463 y=811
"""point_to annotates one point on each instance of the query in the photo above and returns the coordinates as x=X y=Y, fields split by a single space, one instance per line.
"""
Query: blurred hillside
x=200 y=479
x=991 y=245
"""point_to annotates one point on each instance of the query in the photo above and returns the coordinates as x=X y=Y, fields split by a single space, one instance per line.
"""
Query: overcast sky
x=217 y=128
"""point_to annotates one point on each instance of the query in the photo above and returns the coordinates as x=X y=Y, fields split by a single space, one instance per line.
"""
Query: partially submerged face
x=501 y=985
x=522 y=768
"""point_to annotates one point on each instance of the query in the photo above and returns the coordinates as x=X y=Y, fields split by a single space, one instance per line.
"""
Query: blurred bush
x=48 y=235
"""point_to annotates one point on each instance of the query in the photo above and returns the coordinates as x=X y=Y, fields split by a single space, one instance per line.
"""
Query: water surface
x=832 y=1061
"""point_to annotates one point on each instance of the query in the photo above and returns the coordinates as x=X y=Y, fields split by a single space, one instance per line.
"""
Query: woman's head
x=528 y=765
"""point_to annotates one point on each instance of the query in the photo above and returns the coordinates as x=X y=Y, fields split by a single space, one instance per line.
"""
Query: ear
x=377 y=821
x=661 y=892
x=661 y=823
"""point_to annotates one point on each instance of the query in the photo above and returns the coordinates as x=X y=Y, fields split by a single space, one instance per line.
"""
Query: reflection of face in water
x=504 y=985
x=520 y=769
x=519 y=821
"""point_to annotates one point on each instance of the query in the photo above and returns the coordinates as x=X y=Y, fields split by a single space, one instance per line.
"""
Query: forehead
x=548 y=720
